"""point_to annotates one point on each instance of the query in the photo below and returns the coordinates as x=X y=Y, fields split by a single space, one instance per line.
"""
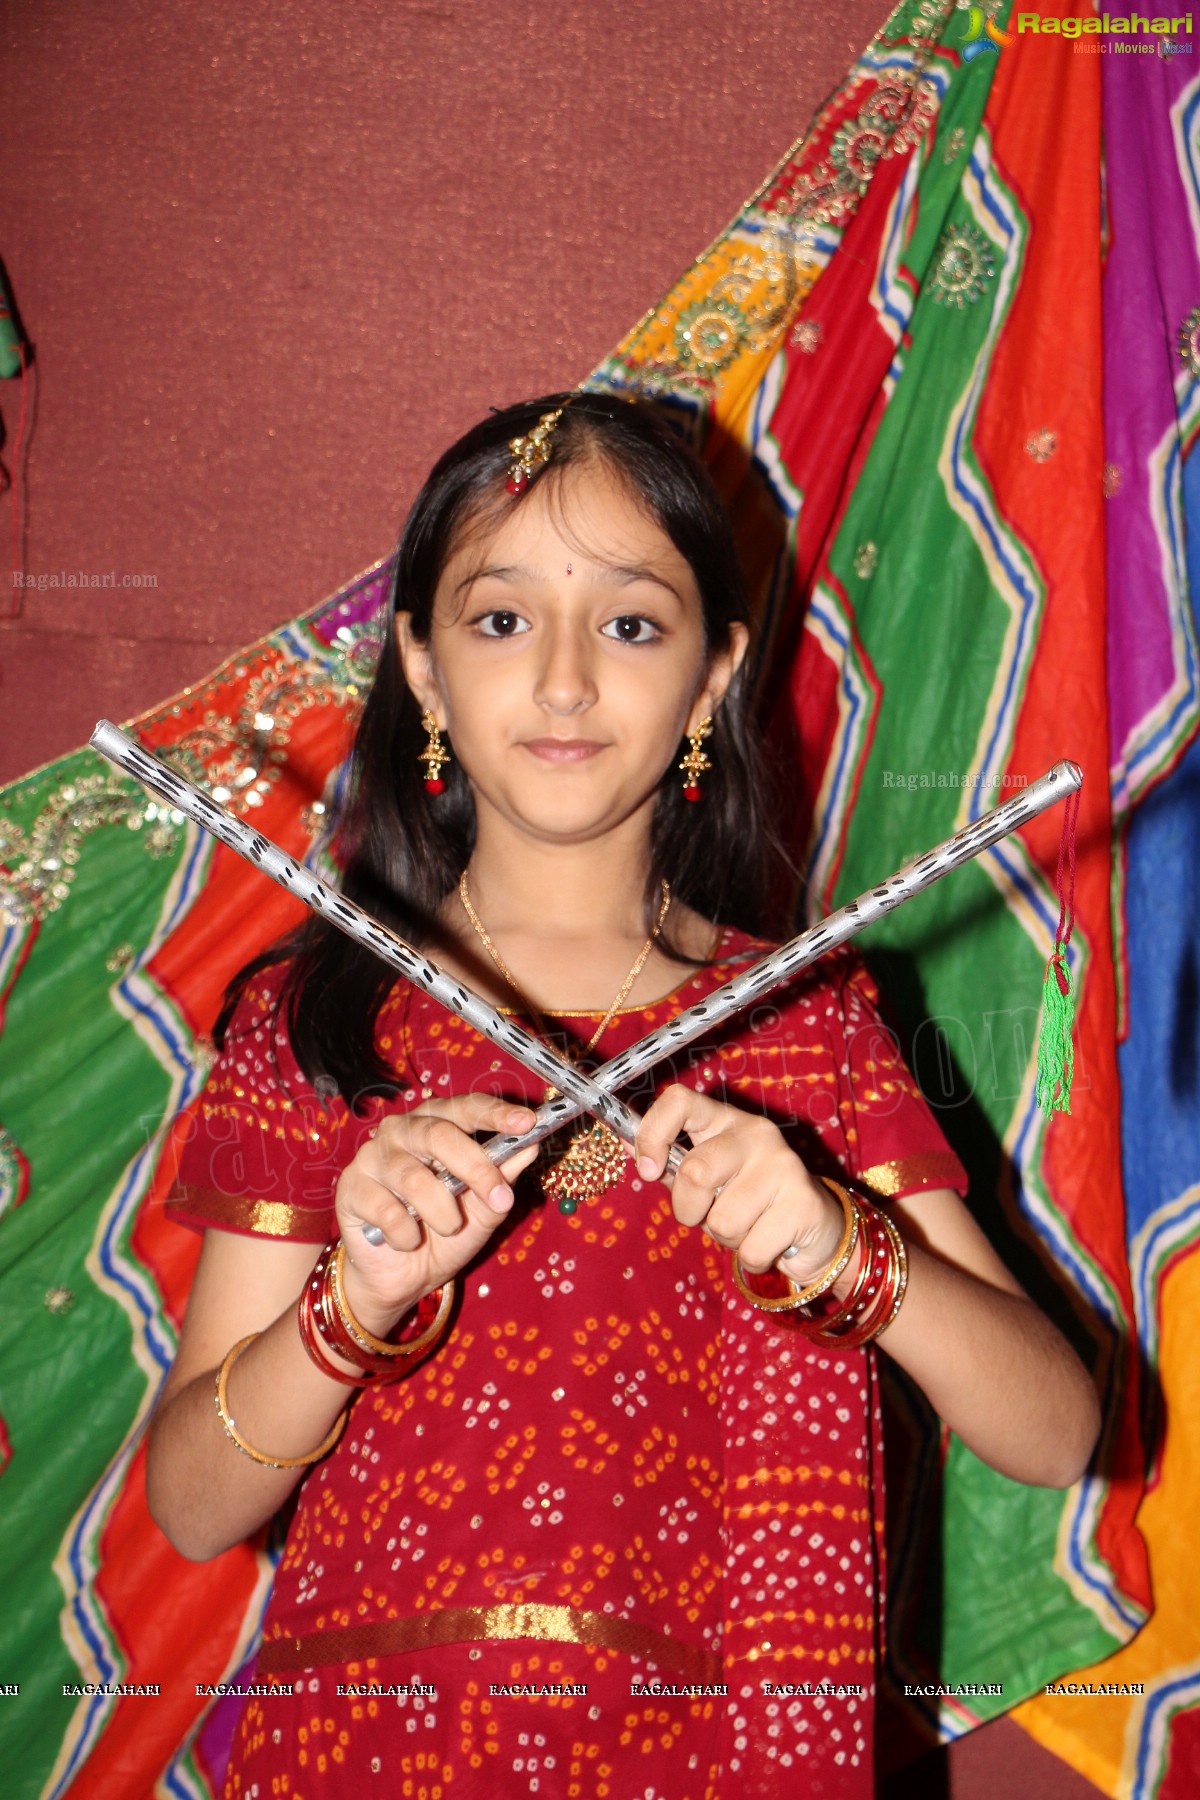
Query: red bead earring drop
x=434 y=755
x=695 y=762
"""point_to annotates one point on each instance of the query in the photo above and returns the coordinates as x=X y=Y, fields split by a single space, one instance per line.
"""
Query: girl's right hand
x=430 y=1234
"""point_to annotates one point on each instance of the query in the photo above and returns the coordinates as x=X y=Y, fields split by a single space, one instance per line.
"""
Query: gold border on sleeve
x=266 y=1218
x=925 y=1168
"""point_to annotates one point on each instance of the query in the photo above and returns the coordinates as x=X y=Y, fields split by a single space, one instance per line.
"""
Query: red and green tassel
x=1056 y=1048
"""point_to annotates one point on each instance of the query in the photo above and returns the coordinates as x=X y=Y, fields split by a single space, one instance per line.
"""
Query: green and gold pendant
x=593 y=1162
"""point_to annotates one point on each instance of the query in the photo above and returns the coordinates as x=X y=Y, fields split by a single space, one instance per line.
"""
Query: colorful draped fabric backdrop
x=946 y=368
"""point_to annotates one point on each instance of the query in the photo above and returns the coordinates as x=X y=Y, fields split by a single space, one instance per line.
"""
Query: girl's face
x=566 y=658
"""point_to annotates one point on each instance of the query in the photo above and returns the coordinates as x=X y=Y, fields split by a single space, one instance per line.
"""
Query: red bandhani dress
x=620 y=1534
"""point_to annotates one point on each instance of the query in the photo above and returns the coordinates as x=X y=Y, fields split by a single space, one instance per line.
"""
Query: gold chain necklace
x=594 y=1159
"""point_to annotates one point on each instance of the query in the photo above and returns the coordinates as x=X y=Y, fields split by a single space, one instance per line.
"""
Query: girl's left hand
x=742 y=1182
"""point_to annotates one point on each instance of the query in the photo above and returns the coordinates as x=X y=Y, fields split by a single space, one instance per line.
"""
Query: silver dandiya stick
x=782 y=965
x=580 y=1093
x=422 y=971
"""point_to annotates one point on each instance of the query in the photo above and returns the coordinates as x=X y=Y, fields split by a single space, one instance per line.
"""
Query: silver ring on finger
x=373 y=1234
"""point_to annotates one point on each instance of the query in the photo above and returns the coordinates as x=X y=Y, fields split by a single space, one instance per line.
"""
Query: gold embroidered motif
x=37 y=865
x=735 y=304
x=235 y=752
x=710 y=334
x=14 y=1172
x=237 y=758
x=1041 y=444
x=963 y=266
x=954 y=142
x=1187 y=341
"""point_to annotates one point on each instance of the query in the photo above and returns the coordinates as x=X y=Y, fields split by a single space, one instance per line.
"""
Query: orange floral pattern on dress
x=612 y=1466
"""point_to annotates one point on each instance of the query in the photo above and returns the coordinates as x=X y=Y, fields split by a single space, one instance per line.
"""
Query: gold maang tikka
x=532 y=452
x=594 y=1158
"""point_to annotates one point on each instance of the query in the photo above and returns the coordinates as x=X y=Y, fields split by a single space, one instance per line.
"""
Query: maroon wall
x=272 y=258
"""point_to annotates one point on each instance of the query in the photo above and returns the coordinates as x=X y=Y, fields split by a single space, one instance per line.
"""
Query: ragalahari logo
x=982 y=34
x=1119 y=31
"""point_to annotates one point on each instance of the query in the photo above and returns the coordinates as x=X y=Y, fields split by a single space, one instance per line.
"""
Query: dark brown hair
x=402 y=853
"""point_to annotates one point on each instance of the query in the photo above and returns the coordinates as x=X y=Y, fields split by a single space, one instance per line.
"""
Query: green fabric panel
x=955 y=955
x=80 y=1093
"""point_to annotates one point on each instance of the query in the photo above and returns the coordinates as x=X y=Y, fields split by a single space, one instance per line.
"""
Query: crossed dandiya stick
x=579 y=1093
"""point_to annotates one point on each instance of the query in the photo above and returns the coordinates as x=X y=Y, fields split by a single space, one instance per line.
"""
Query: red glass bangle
x=330 y=1325
x=875 y=1296
x=879 y=1297
x=841 y=1328
x=890 y=1299
x=829 y=1309
x=341 y=1333
x=312 y=1342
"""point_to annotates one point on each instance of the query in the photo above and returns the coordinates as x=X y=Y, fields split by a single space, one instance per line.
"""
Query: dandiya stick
x=422 y=971
x=580 y=1093
x=782 y=965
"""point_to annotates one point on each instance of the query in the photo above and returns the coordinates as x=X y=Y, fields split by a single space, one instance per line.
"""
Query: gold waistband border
x=489 y=1624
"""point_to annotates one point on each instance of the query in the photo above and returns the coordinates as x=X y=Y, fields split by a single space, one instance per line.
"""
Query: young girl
x=590 y=1503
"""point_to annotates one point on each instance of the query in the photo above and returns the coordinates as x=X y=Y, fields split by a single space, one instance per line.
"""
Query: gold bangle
x=802 y=1296
x=368 y=1340
x=231 y=1430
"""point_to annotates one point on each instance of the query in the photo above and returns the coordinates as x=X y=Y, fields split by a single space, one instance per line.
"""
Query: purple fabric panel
x=361 y=603
x=215 y=1738
x=1151 y=283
